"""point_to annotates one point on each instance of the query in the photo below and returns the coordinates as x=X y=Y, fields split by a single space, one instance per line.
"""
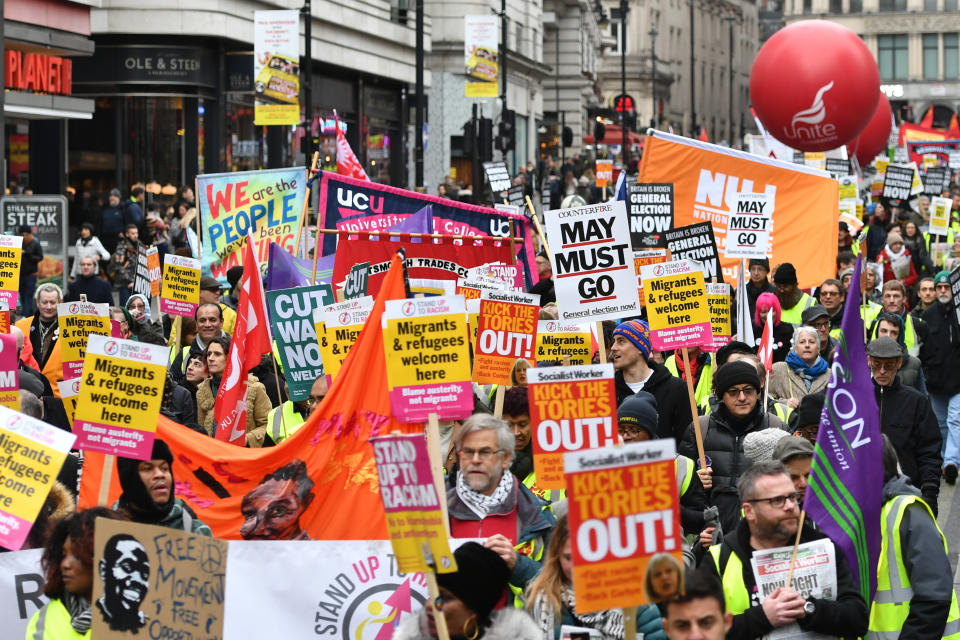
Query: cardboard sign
x=940 y=216
x=9 y=372
x=342 y=324
x=651 y=213
x=10 y=255
x=428 y=361
x=718 y=299
x=497 y=176
x=592 y=262
x=77 y=320
x=165 y=583
x=623 y=510
x=642 y=258
x=676 y=305
x=936 y=180
x=291 y=323
x=696 y=242
x=31 y=454
x=955 y=290
x=604 y=173
x=848 y=187
x=69 y=390
x=355 y=286
x=557 y=339
x=571 y=409
x=506 y=331
x=749 y=227
x=180 y=294
x=120 y=396
x=411 y=503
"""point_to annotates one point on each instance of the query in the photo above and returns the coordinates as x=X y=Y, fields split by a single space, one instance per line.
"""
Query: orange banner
x=707 y=179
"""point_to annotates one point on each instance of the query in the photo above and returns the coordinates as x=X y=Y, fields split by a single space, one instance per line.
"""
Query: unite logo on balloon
x=812 y=117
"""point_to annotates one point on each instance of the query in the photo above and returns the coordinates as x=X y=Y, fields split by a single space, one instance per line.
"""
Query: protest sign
x=293 y=330
x=481 y=56
x=276 y=67
x=153 y=271
x=33 y=453
x=571 y=409
x=473 y=319
x=180 y=295
x=718 y=299
x=749 y=227
x=897 y=183
x=940 y=216
x=955 y=290
x=919 y=149
x=604 y=169
x=46 y=216
x=472 y=289
x=355 y=285
x=953 y=159
x=120 y=396
x=651 y=213
x=411 y=503
x=556 y=340
x=10 y=250
x=936 y=180
x=641 y=258
x=342 y=323
x=21 y=590
x=697 y=242
x=76 y=321
x=848 y=187
x=515 y=196
x=707 y=178
x=498 y=178
x=141 y=281
x=167 y=582
x=676 y=305
x=623 y=510
x=509 y=275
x=837 y=166
x=428 y=360
x=268 y=202
x=9 y=372
x=506 y=331
x=4 y=317
x=916 y=184
x=69 y=390
x=594 y=276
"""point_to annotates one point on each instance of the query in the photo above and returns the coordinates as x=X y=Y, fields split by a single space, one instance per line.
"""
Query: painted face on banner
x=272 y=510
x=125 y=573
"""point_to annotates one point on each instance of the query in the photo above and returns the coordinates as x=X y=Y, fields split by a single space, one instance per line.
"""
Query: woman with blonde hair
x=663 y=578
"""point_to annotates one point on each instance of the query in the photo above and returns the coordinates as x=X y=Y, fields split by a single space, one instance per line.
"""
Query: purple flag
x=419 y=222
x=845 y=494
x=286 y=272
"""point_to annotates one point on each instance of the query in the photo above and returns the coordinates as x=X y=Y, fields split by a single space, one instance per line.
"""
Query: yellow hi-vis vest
x=685 y=468
x=547 y=495
x=891 y=603
x=731 y=576
x=794 y=314
x=704 y=386
x=283 y=421
x=52 y=622
x=909 y=334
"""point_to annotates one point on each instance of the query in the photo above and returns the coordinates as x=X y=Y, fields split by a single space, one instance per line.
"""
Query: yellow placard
x=557 y=339
x=676 y=305
x=10 y=256
x=271 y=114
x=881 y=166
x=718 y=300
x=77 y=320
x=848 y=188
x=180 y=293
x=335 y=345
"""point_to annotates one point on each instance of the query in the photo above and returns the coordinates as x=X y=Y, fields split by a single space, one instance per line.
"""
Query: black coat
x=94 y=287
x=908 y=420
x=940 y=353
x=673 y=403
x=753 y=293
x=32 y=254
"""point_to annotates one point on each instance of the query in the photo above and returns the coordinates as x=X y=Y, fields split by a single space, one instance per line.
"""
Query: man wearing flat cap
x=907 y=418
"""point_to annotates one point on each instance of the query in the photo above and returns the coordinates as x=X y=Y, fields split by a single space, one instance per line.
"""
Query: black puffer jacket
x=673 y=403
x=940 y=353
x=723 y=444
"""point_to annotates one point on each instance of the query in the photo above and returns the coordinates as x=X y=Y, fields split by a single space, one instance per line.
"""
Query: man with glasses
x=818 y=317
x=831 y=297
x=940 y=355
x=487 y=501
x=907 y=419
x=771 y=515
x=285 y=420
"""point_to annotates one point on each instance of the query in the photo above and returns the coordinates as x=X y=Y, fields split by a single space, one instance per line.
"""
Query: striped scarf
x=79 y=609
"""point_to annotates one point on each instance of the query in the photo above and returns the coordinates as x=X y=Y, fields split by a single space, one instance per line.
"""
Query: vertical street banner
x=342 y=323
x=676 y=305
x=10 y=250
x=267 y=202
x=940 y=216
x=897 y=183
x=425 y=342
x=180 y=294
x=164 y=582
x=276 y=67
x=9 y=372
x=593 y=262
x=481 y=56
x=141 y=282
x=571 y=409
x=749 y=227
x=411 y=503
x=32 y=452
x=718 y=300
x=643 y=258
x=293 y=330
x=696 y=242
x=506 y=332
x=623 y=511
x=77 y=320
x=651 y=213
x=120 y=396
x=556 y=340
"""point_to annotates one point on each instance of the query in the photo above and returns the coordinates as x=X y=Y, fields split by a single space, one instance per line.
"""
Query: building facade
x=916 y=45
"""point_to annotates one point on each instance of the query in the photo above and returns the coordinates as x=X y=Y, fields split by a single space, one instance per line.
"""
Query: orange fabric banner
x=341 y=495
x=707 y=179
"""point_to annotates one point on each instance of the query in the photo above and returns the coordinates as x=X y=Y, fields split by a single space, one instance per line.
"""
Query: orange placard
x=707 y=179
x=604 y=173
x=645 y=257
x=506 y=332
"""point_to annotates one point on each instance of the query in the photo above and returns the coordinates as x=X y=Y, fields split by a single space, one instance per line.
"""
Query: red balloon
x=873 y=139
x=814 y=85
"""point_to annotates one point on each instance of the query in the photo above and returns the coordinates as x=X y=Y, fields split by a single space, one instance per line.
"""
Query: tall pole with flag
x=845 y=494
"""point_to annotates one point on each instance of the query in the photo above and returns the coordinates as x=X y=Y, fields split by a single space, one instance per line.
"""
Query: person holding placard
x=914 y=241
x=516 y=412
x=42 y=348
x=793 y=300
x=258 y=403
x=897 y=261
x=209 y=317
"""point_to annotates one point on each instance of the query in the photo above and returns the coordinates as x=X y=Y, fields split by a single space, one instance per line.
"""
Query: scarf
x=896 y=255
x=85 y=241
x=79 y=609
x=807 y=371
x=608 y=622
x=481 y=504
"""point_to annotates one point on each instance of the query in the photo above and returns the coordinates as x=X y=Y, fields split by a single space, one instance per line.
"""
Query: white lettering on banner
x=596 y=539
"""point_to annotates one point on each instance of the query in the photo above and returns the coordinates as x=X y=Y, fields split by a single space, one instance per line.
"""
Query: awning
x=36 y=106
x=613 y=134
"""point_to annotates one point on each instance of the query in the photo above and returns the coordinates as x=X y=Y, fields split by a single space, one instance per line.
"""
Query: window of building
x=931 y=55
x=893 y=5
x=836 y=6
x=929 y=5
x=856 y=6
x=892 y=56
x=399 y=10
x=807 y=6
x=951 y=60
x=949 y=5
x=616 y=31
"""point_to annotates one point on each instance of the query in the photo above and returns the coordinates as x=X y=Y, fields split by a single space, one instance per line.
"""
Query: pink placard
x=450 y=401
x=178 y=308
x=691 y=335
x=13 y=530
x=119 y=441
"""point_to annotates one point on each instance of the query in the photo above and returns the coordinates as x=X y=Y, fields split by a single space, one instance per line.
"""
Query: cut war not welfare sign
x=293 y=329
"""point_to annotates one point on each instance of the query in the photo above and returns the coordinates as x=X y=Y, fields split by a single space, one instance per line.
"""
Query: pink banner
x=450 y=401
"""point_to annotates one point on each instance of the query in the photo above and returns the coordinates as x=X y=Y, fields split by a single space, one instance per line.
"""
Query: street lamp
x=623 y=77
x=730 y=18
x=653 y=74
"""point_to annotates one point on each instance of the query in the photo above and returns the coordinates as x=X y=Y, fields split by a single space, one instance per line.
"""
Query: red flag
x=251 y=340
x=954 y=131
x=347 y=163
x=927 y=119
x=703 y=135
x=765 y=350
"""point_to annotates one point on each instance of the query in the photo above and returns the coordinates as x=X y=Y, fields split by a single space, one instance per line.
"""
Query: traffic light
x=507 y=132
x=469 y=135
x=630 y=120
x=567 y=136
x=598 y=132
x=485 y=139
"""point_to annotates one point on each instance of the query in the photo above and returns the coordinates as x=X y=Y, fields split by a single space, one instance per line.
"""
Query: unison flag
x=845 y=494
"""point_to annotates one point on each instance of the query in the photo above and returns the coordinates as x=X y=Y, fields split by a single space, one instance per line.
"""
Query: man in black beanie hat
x=148 y=492
x=793 y=300
x=759 y=281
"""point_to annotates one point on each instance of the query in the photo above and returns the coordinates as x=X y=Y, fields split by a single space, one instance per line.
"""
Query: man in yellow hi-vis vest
x=793 y=301
x=283 y=421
